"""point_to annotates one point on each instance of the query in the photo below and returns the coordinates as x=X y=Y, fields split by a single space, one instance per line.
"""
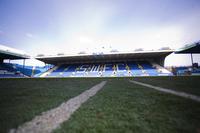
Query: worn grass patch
x=22 y=99
x=124 y=107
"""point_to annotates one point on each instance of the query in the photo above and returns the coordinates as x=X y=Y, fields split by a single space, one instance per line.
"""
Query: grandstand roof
x=10 y=53
x=191 y=49
x=110 y=57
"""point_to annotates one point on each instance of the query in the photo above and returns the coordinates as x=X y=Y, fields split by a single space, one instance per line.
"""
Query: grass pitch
x=120 y=106
x=22 y=99
x=125 y=107
x=188 y=84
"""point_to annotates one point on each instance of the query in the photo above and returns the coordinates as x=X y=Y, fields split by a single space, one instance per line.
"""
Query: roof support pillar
x=191 y=59
x=1 y=60
x=24 y=61
x=45 y=64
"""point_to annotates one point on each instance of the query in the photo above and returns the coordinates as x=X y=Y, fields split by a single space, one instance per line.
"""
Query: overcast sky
x=70 y=26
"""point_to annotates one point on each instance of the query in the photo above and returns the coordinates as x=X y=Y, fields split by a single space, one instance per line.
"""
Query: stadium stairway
x=148 y=69
x=45 y=74
x=161 y=70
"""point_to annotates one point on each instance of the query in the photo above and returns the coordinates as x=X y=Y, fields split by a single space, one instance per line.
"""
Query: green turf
x=125 y=107
x=22 y=99
x=188 y=84
x=120 y=107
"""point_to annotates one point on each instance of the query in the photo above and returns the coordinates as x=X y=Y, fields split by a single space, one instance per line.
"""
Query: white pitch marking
x=50 y=120
x=177 y=93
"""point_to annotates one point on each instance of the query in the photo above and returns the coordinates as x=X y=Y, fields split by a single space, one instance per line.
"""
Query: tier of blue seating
x=29 y=70
x=184 y=70
x=139 y=68
x=17 y=70
x=8 y=71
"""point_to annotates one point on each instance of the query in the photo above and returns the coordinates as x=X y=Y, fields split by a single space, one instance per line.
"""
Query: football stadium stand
x=30 y=71
x=113 y=64
x=194 y=69
x=187 y=70
x=17 y=70
x=6 y=69
x=140 y=68
x=140 y=63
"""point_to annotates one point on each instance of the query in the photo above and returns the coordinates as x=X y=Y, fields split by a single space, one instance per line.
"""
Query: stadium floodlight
x=114 y=50
x=139 y=49
x=40 y=55
x=165 y=48
x=82 y=52
x=60 y=54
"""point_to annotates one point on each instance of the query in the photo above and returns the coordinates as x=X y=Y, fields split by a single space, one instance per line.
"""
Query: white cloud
x=154 y=38
x=85 y=40
x=29 y=35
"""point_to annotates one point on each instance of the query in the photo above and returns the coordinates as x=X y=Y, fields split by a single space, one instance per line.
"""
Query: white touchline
x=50 y=120
x=177 y=93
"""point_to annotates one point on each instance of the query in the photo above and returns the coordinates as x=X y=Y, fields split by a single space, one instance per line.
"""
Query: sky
x=70 y=26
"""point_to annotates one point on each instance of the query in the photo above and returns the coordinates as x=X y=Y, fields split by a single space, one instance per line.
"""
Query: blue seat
x=120 y=69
